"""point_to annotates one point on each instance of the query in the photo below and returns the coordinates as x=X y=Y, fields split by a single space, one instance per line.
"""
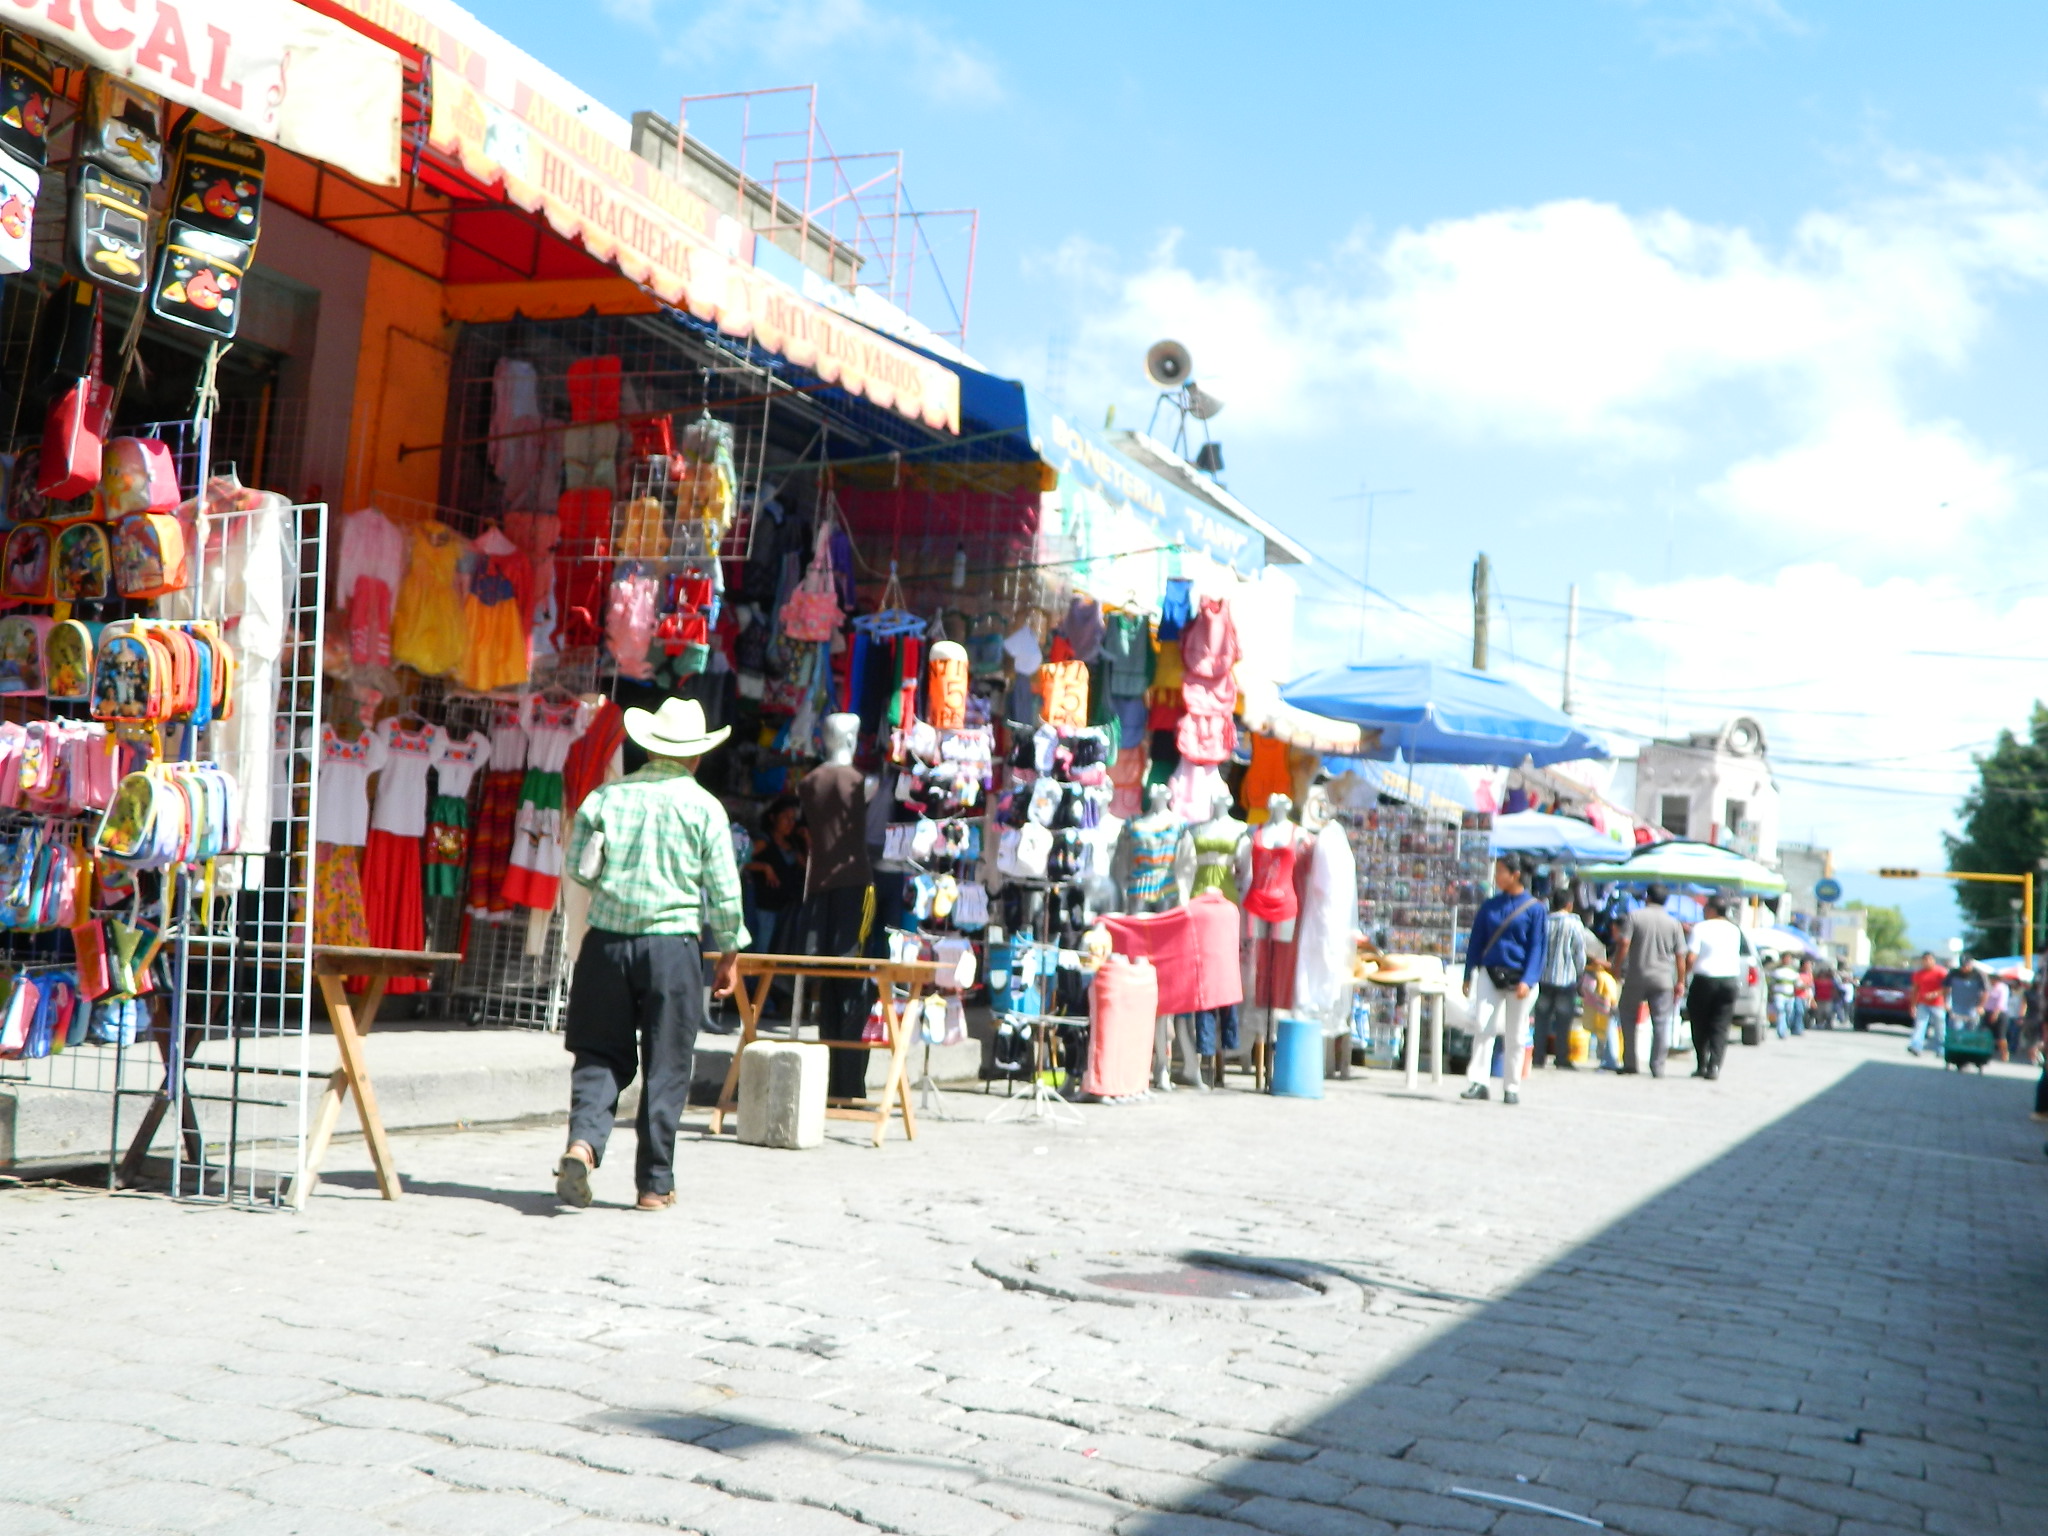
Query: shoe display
x=1474 y=1091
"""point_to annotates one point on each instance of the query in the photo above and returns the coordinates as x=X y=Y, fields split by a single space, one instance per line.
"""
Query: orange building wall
x=401 y=397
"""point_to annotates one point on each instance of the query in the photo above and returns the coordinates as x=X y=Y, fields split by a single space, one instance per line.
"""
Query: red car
x=1884 y=996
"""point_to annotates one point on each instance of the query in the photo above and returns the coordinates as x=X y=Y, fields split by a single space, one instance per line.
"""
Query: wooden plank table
x=332 y=965
x=887 y=975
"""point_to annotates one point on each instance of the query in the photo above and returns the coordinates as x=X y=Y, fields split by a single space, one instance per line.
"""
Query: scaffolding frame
x=869 y=213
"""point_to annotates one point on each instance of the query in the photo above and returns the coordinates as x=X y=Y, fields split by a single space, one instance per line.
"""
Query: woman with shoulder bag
x=1503 y=961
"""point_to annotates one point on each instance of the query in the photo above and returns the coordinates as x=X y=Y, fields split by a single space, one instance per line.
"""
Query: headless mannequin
x=1271 y=877
x=838 y=887
x=1144 y=873
x=1147 y=879
x=1208 y=859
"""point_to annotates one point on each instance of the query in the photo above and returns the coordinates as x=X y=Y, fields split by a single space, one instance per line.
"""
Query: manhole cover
x=1209 y=1282
x=1141 y=1276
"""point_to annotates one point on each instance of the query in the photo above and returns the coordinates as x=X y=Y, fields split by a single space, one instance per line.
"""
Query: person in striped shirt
x=1557 y=993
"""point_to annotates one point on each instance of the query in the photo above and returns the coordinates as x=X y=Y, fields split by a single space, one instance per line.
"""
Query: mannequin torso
x=1209 y=853
x=1150 y=842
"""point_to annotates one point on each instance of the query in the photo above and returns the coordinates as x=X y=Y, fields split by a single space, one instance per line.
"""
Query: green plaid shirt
x=668 y=861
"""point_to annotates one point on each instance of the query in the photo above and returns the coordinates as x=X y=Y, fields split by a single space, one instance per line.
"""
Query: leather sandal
x=650 y=1201
x=572 y=1176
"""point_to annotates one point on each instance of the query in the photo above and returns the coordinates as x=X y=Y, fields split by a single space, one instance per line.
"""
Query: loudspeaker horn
x=1168 y=364
x=1201 y=404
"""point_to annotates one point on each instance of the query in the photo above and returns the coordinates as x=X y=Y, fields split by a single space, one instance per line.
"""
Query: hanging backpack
x=67 y=661
x=27 y=578
x=199 y=279
x=130 y=680
x=150 y=558
x=137 y=475
x=81 y=565
x=109 y=229
x=123 y=129
x=21 y=655
x=68 y=464
x=28 y=89
x=217 y=187
x=19 y=186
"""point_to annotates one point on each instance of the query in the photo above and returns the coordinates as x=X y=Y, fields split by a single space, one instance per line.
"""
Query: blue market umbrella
x=1562 y=839
x=1432 y=713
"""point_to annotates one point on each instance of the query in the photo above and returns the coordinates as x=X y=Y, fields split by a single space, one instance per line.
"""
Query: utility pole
x=1482 y=602
x=1571 y=641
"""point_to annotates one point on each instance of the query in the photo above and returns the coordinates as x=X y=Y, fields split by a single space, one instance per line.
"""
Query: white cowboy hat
x=674 y=730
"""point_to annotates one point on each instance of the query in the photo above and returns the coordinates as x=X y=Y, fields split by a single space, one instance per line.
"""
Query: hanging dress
x=1215 y=863
x=427 y=634
x=490 y=850
x=392 y=858
x=367 y=578
x=534 y=876
x=447 y=850
x=339 y=915
x=497 y=610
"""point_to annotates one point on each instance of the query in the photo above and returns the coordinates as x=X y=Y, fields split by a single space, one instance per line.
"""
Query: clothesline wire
x=946 y=573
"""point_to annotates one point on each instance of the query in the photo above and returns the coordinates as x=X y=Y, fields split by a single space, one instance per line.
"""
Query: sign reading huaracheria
x=271 y=68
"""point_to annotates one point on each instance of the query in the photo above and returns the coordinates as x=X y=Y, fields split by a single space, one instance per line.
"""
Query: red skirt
x=490 y=841
x=391 y=893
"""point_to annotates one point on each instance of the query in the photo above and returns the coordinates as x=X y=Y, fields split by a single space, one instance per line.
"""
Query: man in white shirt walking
x=1713 y=963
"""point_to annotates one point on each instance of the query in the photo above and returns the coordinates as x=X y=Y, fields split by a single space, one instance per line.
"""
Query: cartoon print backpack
x=28 y=86
x=109 y=229
x=27 y=576
x=82 y=561
x=218 y=185
x=131 y=675
x=150 y=557
x=137 y=475
x=199 y=279
x=67 y=662
x=21 y=654
x=124 y=129
x=18 y=188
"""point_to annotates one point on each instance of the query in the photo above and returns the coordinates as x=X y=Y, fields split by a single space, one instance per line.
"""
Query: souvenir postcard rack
x=203 y=1093
x=1422 y=875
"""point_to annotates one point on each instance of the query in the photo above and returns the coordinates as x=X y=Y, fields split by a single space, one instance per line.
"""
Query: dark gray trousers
x=1658 y=993
x=635 y=1001
x=843 y=1004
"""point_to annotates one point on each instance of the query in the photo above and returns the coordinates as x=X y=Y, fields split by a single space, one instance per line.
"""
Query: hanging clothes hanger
x=892 y=619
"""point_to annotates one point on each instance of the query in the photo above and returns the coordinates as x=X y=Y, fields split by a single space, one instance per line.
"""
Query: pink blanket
x=1122 y=1004
x=1194 y=949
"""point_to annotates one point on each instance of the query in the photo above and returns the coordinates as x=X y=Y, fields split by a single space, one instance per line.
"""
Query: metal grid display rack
x=209 y=1101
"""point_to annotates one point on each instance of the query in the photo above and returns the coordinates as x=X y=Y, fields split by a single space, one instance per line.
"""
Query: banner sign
x=624 y=211
x=1174 y=517
x=269 y=68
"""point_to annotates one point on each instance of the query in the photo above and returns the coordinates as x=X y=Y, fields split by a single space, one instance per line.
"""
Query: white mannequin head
x=1278 y=809
x=1157 y=798
x=841 y=732
x=1219 y=805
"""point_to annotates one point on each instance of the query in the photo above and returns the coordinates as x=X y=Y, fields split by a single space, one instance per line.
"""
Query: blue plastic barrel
x=1298 y=1058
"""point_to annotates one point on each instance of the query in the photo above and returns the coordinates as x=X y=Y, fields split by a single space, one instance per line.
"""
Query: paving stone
x=338 y=1487
x=1290 y=1517
x=284 y=1521
x=162 y=1506
x=476 y=1514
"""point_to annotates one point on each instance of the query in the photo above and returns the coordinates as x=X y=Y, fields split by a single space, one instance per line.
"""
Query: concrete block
x=782 y=1094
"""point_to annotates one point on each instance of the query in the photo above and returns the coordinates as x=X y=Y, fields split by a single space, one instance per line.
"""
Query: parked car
x=1884 y=995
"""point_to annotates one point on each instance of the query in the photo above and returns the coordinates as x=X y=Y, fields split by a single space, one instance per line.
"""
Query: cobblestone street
x=1805 y=1299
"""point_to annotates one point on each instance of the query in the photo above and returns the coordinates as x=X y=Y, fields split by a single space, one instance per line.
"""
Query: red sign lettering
x=104 y=35
x=166 y=50
x=217 y=85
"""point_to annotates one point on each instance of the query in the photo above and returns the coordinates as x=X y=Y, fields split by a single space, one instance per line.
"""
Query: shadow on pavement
x=1835 y=1328
x=528 y=1202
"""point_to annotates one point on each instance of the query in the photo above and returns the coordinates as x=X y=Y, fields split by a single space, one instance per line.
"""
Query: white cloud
x=1575 y=324
x=1705 y=26
x=801 y=34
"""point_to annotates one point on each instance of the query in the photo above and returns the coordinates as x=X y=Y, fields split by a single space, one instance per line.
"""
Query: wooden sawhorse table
x=332 y=965
x=887 y=975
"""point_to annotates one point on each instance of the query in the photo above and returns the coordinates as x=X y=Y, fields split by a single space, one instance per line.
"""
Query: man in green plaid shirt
x=656 y=850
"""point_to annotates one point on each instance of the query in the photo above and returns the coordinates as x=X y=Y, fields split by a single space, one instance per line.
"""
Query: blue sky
x=1729 y=310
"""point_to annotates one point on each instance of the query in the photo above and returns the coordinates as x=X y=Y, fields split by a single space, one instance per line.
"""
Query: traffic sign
x=1827 y=890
